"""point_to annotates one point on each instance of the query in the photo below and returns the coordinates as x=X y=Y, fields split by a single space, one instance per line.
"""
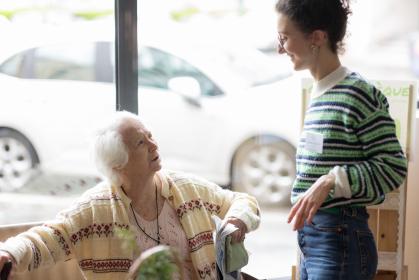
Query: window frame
x=126 y=55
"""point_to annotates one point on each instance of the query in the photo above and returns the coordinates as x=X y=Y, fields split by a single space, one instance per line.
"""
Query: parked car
x=225 y=113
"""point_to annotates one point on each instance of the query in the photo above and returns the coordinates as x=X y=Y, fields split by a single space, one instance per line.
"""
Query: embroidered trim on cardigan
x=60 y=240
x=36 y=257
x=207 y=270
x=200 y=240
x=197 y=204
x=106 y=265
x=105 y=229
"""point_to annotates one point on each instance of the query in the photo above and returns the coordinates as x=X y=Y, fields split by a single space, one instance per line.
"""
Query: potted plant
x=158 y=263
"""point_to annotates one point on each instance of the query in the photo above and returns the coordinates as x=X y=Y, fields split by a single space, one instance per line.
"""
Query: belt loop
x=350 y=211
x=354 y=212
x=345 y=211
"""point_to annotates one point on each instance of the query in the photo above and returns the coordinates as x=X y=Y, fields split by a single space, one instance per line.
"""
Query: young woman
x=348 y=156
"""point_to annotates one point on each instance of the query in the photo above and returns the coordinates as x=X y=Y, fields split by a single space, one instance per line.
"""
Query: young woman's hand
x=308 y=204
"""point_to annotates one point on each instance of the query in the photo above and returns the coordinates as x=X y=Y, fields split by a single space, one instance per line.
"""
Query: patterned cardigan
x=87 y=230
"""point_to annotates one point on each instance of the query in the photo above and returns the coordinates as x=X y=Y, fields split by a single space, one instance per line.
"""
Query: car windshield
x=252 y=66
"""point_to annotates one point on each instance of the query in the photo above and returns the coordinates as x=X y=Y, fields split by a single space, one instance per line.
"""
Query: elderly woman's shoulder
x=182 y=179
x=84 y=207
x=102 y=188
x=102 y=192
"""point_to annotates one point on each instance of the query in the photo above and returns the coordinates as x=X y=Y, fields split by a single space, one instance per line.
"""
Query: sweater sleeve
x=384 y=166
x=232 y=204
x=40 y=246
x=245 y=208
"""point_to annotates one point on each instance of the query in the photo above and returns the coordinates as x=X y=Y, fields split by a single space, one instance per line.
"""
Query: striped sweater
x=357 y=133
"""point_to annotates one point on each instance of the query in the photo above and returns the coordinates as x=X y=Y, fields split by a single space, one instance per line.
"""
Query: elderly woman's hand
x=4 y=258
x=307 y=206
x=238 y=235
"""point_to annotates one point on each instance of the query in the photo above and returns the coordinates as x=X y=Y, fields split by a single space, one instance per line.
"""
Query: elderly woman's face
x=142 y=149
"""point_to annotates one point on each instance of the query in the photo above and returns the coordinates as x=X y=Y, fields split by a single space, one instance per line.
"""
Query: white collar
x=329 y=81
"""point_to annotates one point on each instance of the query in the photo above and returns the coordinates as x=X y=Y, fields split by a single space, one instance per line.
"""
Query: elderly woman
x=158 y=207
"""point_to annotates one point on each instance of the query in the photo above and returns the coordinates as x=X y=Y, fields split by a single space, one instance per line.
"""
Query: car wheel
x=264 y=167
x=17 y=160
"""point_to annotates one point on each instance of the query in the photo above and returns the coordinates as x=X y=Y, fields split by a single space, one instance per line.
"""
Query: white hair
x=109 y=150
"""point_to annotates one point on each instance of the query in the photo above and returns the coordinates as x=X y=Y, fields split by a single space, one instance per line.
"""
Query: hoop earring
x=314 y=49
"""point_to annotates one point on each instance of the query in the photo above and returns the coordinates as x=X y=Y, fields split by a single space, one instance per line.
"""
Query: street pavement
x=272 y=247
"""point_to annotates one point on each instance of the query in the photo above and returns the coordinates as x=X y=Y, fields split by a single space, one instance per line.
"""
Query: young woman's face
x=294 y=43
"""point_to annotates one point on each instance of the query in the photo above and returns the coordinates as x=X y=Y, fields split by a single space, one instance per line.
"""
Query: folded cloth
x=236 y=255
x=230 y=257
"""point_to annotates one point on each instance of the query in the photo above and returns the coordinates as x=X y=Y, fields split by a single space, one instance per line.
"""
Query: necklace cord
x=158 y=230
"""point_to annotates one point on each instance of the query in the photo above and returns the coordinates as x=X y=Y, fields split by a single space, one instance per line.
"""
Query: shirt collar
x=329 y=81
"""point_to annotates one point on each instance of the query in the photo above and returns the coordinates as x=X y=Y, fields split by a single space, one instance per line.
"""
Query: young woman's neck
x=326 y=63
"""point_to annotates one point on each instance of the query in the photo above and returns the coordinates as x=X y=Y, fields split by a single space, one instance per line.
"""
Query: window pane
x=56 y=80
x=157 y=67
x=13 y=66
x=65 y=62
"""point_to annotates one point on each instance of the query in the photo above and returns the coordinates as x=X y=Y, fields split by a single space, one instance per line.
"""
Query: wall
x=412 y=212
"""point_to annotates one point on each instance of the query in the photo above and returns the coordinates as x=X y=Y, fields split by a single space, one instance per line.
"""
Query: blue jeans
x=338 y=246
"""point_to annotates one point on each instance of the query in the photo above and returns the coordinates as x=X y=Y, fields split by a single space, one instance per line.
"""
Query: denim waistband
x=350 y=211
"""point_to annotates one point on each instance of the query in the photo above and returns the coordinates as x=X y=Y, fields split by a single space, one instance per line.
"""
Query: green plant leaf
x=158 y=266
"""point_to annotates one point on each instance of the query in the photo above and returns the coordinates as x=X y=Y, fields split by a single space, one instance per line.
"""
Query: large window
x=61 y=62
x=216 y=106
x=69 y=62
x=211 y=88
x=56 y=80
x=157 y=67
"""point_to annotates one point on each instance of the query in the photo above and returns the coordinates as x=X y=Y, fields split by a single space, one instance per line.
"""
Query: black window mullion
x=126 y=55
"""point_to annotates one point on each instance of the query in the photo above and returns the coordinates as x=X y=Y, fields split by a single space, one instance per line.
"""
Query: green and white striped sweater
x=359 y=135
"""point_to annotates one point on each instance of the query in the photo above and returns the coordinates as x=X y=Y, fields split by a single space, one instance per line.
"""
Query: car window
x=253 y=67
x=13 y=66
x=157 y=67
x=63 y=62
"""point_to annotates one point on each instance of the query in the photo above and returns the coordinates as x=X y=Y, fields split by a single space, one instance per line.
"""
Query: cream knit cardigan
x=86 y=231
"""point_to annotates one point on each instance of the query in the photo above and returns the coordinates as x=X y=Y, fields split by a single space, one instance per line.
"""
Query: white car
x=224 y=113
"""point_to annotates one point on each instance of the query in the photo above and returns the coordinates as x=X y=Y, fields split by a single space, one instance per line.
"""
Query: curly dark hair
x=330 y=16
